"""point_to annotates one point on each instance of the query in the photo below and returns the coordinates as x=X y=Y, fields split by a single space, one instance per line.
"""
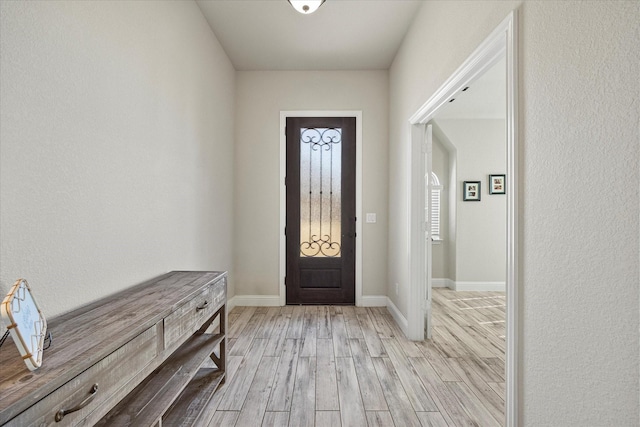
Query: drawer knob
x=203 y=306
x=62 y=412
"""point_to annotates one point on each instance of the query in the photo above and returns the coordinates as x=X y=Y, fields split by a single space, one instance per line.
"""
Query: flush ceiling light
x=306 y=6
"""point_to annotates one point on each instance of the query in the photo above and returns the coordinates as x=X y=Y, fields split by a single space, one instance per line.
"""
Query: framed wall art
x=471 y=191
x=497 y=184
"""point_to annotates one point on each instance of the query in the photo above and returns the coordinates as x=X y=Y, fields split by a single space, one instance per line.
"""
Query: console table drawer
x=188 y=318
x=128 y=360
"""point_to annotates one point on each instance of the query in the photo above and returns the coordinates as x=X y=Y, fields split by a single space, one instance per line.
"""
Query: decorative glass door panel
x=320 y=195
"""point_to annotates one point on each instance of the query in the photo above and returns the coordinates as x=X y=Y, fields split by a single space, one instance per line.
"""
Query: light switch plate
x=371 y=218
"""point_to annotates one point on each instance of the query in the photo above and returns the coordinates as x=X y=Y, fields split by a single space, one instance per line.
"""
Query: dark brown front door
x=321 y=210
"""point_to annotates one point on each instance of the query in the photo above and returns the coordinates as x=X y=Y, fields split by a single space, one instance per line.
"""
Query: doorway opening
x=501 y=44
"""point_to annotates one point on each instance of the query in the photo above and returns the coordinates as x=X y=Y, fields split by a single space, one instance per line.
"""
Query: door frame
x=502 y=42
x=283 y=193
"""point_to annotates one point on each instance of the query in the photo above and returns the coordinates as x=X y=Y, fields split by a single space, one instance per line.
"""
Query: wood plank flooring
x=352 y=366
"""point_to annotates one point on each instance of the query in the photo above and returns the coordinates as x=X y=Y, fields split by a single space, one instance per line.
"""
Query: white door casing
x=428 y=170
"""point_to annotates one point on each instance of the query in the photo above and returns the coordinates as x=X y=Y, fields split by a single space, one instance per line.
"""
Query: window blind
x=435 y=213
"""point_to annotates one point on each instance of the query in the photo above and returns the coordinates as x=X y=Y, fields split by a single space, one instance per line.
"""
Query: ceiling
x=486 y=97
x=341 y=35
x=261 y=35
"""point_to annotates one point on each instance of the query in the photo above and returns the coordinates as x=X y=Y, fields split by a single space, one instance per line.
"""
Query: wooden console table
x=145 y=356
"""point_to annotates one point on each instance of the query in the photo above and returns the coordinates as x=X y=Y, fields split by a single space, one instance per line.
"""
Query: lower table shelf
x=188 y=409
x=176 y=392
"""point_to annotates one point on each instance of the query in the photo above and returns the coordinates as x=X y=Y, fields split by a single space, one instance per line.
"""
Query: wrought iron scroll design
x=319 y=140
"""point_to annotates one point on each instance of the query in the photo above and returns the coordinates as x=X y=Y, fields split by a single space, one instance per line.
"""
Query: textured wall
x=579 y=213
x=116 y=143
x=580 y=115
x=261 y=97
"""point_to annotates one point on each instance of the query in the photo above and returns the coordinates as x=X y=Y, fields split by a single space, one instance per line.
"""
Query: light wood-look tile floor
x=352 y=366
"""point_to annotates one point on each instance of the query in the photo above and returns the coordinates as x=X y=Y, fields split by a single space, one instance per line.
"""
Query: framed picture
x=26 y=323
x=497 y=184
x=471 y=192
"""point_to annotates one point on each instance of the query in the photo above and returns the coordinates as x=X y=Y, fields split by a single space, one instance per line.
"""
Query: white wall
x=260 y=98
x=579 y=228
x=116 y=143
x=481 y=237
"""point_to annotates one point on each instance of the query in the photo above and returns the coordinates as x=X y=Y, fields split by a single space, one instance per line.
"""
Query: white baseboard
x=253 y=301
x=480 y=286
x=443 y=283
x=274 y=301
x=468 y=286
x=397 y=316
x=373 y=301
